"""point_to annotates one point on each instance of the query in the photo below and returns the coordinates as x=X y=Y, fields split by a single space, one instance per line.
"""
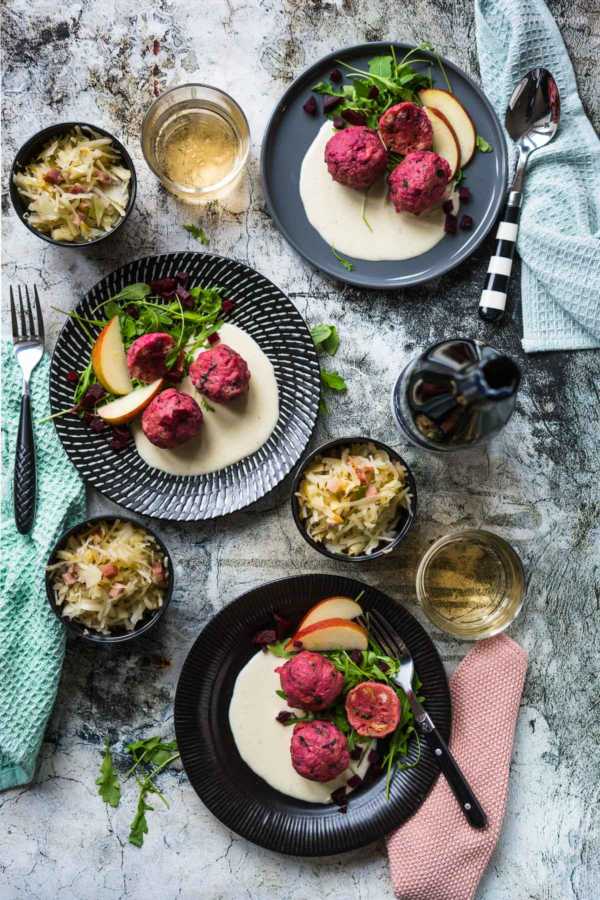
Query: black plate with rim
x=291 y=131
x=230 y=789
x=267 y=315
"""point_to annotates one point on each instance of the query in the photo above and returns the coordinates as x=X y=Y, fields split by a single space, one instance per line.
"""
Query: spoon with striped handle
x=532 y=119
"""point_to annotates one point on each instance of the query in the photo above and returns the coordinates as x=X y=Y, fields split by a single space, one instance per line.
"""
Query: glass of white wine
x=471 y=584
x=196 y=140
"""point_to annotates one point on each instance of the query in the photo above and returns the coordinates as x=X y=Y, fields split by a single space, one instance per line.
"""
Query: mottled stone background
x=537 y=484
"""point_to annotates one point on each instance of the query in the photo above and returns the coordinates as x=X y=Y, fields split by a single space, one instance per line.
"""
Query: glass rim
x=423 y=597
x=174 y=186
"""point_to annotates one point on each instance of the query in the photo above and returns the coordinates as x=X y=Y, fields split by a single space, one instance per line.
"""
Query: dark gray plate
x=291 y=131
x=272 y=320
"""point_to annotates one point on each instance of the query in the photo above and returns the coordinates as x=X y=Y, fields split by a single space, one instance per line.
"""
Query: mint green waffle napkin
x=32 y=641
x=559 y=235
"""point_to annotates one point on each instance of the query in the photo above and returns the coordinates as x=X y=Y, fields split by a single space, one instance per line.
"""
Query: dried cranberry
x=184 y=296
x=330 y=103
x=72 y=377
x=298 y=645
x=353 y=117
x=213 y=338
x=465 y=194
x=310 y=107
x=356 y=754
x=356 y=656
x=447 y=207
x=182 y=278
x=339 y=796
x=373 y=93
x=132 y=311
x=354 y=782
x=339 y=123
x=267 y=636
x=466 y=223
x=97 y=424
x=227 y=305
x=283 y=626
x=336 y=76
x=284 y=716
x=164 y=287
x=450 y=224
x=92 y=396
x=121 y=437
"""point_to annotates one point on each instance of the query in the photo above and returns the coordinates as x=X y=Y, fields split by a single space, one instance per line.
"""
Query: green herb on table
x=149 y=757
x=197 y=232
x=483 y=145
x=342 y=260
x=107 y=781
x=333 y=380
x=325 y=338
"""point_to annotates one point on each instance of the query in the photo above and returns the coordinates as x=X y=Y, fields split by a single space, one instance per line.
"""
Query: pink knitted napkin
x=436 y=855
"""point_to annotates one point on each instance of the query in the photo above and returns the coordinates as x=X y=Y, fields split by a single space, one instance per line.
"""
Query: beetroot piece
x=465 y=194
x=297 y=645
x=310 y=681
x=373 y=93
x=339 y=123
x=353 y=117
x=121 y=437
x=182 y=278
x=92 y=396
x=356 y=754
x=213 y=338
x=330 y=103
x=184 y=296
x=72 y=377
x=132 y=311
x=336 y=76
x=354 y=782
x=310 y=107
x=97 y=424
x=355 y=157
x=163 y=287
x=227 y=305
x=356 y=656
x=283 y=626
x=448 y=207
x=373 y=758
x=466 y=223
x=450 y=224
x=267 y=636
x=284 y=716
x=339 y=796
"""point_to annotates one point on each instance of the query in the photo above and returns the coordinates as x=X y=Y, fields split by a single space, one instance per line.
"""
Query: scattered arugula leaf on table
x=325 y=338
x=107 y=781
x=333 y=380
x=197 y=232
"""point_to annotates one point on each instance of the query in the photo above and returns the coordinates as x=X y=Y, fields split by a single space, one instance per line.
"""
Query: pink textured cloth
x=436 y=855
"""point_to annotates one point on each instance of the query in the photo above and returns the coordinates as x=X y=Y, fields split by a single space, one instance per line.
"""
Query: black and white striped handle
x=493 y=297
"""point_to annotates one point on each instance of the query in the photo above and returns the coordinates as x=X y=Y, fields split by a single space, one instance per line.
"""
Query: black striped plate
x=262 y=310
x=232 y=792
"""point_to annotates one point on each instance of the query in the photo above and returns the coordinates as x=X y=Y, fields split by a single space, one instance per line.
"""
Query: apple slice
x=124 y=409
x=331 y=608
x=457 y=116
x=331 y=634
x=109 y=361
x=445 y=143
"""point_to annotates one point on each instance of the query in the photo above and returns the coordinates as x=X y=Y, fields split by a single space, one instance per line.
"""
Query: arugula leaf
x=197 y=232
x=139 y=824
x=460 y=177
x=107 y=781
x=483 y=145
x=381 y=66
x=333 y=380
x=111 y=309
x=277 y=648
x=138 y=291
x=323 y=408
x=281 y=694
x=325 y=338
x=345 y=262
x=320 y=333
x=206 y=405
x=331 y=344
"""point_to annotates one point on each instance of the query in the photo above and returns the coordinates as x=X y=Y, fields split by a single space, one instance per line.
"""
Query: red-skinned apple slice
x=331 y=634
x=109 y=361
x=445 y=142
x=331 y=608
x=458 y=117
x=124 y=409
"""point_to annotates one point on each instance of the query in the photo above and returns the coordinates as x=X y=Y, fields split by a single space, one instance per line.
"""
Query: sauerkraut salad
x=350 y=501
x=77 y=187
x=108 y=575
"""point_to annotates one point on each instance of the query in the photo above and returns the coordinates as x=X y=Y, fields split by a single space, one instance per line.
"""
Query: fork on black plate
x=28 y=341
x=393 y=646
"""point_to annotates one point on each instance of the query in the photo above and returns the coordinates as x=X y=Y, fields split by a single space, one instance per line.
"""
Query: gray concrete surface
x=537 y=484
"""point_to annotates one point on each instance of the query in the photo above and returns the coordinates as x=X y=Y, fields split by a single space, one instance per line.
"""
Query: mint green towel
x=559 y=236
x=32 y=643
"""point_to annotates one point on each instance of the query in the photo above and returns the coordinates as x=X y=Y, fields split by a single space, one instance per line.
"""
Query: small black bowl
x=30 y=150
x=148 y=621
x=404 y=524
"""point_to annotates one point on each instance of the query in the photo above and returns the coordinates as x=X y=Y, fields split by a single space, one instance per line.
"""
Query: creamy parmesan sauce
x=336 y=212
x=230 y=431
x=264 y=744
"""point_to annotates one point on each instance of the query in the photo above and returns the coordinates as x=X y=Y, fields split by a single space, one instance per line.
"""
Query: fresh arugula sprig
x=150 y=757
x=198 y=233
x=327 y=340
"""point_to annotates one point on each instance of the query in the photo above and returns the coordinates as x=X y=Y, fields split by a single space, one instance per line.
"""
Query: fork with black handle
x=393 y=646
x=28 y=341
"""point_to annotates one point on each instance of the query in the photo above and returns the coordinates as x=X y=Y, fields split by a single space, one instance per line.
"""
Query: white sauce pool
x=336 y=212
x=230 y=431
x=263 y=743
